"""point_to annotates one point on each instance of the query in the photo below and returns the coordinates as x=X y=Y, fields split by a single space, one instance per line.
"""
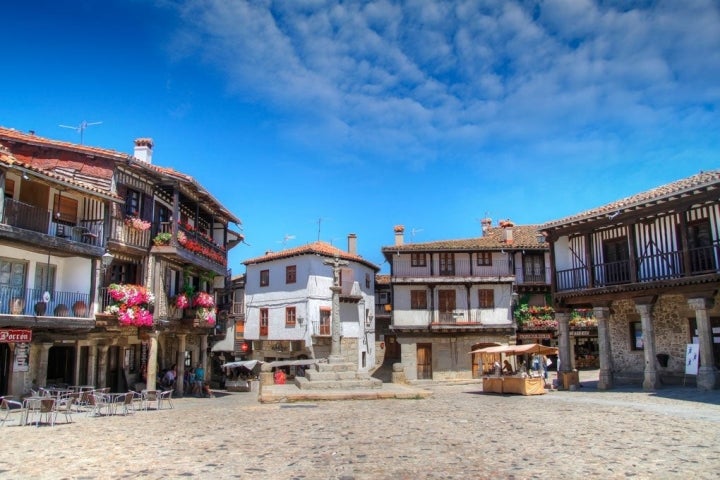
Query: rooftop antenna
x=81 y=128
x=286 y=238
x=414 y=231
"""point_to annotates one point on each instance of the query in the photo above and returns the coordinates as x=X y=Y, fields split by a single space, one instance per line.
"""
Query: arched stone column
x=102 y=365
x=651 y=379
x=180 y=363
x=707 y=374
x=605 y=380
x=563 y=319
x=92 y=364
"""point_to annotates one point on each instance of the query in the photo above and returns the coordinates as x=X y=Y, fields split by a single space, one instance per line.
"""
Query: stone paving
x=458 y=432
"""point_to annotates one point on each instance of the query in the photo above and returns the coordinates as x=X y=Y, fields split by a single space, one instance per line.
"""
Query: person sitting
x=507 y=368
x=168 y=380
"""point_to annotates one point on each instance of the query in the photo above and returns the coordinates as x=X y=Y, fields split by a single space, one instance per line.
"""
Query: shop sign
x=15 y=336
x=539 y=336
x=21 y=357
x=579 y=333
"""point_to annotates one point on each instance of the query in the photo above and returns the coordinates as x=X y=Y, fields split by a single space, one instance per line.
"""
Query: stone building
x=647 y=265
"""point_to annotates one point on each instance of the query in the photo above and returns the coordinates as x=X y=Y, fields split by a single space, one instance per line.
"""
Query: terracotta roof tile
x=382 y=279
x=524 y=237
x=685 y=186
x=320 y=248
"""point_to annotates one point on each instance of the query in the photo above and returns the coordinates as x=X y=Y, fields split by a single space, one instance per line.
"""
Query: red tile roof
x=320 y=248
x=524 y=237
x=680 y=188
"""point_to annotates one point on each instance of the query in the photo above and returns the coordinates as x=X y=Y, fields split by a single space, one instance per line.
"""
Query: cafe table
x=31 y=404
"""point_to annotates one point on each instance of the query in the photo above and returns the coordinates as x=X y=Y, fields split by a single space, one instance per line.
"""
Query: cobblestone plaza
x=458 y=432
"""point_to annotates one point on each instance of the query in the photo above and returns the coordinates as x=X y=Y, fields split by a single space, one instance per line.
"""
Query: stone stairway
x=336 y=376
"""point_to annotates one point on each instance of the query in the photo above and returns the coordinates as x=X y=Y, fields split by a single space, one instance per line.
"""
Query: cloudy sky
x=315 y=118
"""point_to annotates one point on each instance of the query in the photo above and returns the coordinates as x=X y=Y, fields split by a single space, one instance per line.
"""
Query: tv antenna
x=414 y=231
x=81 y=128
x=286 y=238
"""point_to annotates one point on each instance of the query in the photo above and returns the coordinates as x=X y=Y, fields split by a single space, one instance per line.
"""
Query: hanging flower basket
x=131 y=304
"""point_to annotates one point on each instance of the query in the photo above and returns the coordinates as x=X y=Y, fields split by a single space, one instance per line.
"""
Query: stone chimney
x=486 y=224
x=352 y=244
x=399 y=234
x=143 y=149
x=507 y=226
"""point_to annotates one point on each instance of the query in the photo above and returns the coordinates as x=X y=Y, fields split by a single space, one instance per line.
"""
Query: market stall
x=519 y=383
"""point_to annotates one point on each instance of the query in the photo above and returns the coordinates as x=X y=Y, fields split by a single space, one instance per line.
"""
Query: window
x=484 y=259
x=289 y=316
x=132 y=203
x=636 y=336
x=446 y=301
x=700 y=244
x=486 y=298
x=45 y=277
x=324 y=327
x=384 y=297
x=617 y=260
x=418 y=300
x=418 y=260
x=12 y=275
x=264 y=278
x=534 y=268
x=65 y=210
x=291 y=274
x=164 y=214
x=447 y=264
x=367 y=280
x=264 y=318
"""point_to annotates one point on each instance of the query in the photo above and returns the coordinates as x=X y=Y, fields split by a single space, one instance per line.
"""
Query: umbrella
x=519 y=349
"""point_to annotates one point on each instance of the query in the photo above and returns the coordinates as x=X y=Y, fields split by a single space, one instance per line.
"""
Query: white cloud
x=415 y=80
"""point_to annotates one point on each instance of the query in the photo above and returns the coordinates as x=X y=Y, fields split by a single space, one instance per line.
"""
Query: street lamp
x=107 y=259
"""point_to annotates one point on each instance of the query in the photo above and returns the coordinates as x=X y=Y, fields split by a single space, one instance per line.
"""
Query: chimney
x=143 y=149
x=507 y=226
x=399 y=231
x=352 y=244
x=486 y=224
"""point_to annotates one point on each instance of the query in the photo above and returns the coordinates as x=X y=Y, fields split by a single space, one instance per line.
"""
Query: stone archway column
x=605 y=380
x=43 y=364
x=707 y=374
x=179 y=380
x=152 y=364
x=651 y=379
x=92 y=365
x=102 y=365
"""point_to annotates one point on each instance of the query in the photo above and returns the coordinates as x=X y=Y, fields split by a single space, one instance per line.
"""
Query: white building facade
x=288 y=304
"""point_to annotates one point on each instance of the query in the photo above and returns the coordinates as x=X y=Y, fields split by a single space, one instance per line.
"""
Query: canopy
x=519 y=349
x=249 y=364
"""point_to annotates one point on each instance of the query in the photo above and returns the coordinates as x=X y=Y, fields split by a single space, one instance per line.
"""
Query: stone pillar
x=203 y=355
x=92 y=365
x=651 y=380
x=605 y=381
x=102 y=365
x=707 y=374
x=43 y=364
x=335 y=351
x=563 y=319
x=76 y=367
x=152 y=365
x=179 y=382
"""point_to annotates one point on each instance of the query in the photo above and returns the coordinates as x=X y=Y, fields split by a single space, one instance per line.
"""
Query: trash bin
x=662 y=359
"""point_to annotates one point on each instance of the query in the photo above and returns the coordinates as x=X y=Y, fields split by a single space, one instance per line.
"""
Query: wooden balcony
x=461 y=268
x=192 y=247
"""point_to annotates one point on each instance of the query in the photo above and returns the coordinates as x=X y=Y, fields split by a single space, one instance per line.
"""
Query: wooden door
x=424 y=361
x=446 y=305
x=392 y=348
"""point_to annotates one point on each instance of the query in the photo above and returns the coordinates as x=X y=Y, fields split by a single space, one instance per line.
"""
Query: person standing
x=199 y=379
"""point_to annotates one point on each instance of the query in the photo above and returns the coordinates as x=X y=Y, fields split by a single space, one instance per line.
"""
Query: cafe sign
x=534 y=336
x=15 y=336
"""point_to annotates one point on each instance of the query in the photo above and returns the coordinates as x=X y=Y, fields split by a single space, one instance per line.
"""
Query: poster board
x=692 y=359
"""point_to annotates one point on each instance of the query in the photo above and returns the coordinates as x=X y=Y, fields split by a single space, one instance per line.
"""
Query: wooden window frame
x=446 y=264
x=325 y=321
x=133 y=199
x=484 y=259
x=418 y=259
x=264 y=322
x=486 y=298
x=418 y=300
x=291 y=274
x=633 y=329
x=264 y=278
x=290 y=317
x=65 y=209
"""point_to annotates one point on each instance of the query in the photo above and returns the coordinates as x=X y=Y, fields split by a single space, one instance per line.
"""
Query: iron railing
x=30 y=301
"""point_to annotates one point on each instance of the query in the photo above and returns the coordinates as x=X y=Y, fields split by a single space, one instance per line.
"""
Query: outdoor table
x=82 y=388
x=113 y=399
x=30 y=404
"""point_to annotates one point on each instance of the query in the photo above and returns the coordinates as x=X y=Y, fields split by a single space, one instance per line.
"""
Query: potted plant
x=131 y=303
x=162 y=238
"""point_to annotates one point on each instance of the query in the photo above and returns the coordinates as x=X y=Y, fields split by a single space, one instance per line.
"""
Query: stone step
x=314 y=376
x=335 y=367
x=304 y=384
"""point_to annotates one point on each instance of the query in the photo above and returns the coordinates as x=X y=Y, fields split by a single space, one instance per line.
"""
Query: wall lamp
x=106 y=259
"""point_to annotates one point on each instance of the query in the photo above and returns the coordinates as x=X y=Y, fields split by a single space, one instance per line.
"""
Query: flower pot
x=79 y=309
x=40 y=308
x=61 y=310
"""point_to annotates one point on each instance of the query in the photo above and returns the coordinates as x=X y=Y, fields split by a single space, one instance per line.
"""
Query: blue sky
x=357 y=116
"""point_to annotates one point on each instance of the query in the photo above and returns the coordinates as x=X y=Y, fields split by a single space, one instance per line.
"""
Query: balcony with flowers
x=131 y=304
x=582 y=318
x=192 y=245
x=529 y=317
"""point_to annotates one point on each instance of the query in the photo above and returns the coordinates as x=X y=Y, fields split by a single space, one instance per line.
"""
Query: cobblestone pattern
x=458 y=433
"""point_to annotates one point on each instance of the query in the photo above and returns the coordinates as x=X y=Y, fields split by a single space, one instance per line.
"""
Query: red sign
x=15 y=336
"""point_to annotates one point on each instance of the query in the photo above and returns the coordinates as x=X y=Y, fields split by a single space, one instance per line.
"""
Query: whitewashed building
x=288 y=304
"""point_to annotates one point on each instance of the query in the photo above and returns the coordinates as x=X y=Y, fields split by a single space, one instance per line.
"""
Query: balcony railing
x=128 y=235
x=650 y=268
x=321 y=329
x=461 y=268
x=36 y=219
x=17 y=301
x=196 y=243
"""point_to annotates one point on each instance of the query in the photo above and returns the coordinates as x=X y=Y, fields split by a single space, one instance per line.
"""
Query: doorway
x=61 y=365
x=5 y=360
x=424 y=361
